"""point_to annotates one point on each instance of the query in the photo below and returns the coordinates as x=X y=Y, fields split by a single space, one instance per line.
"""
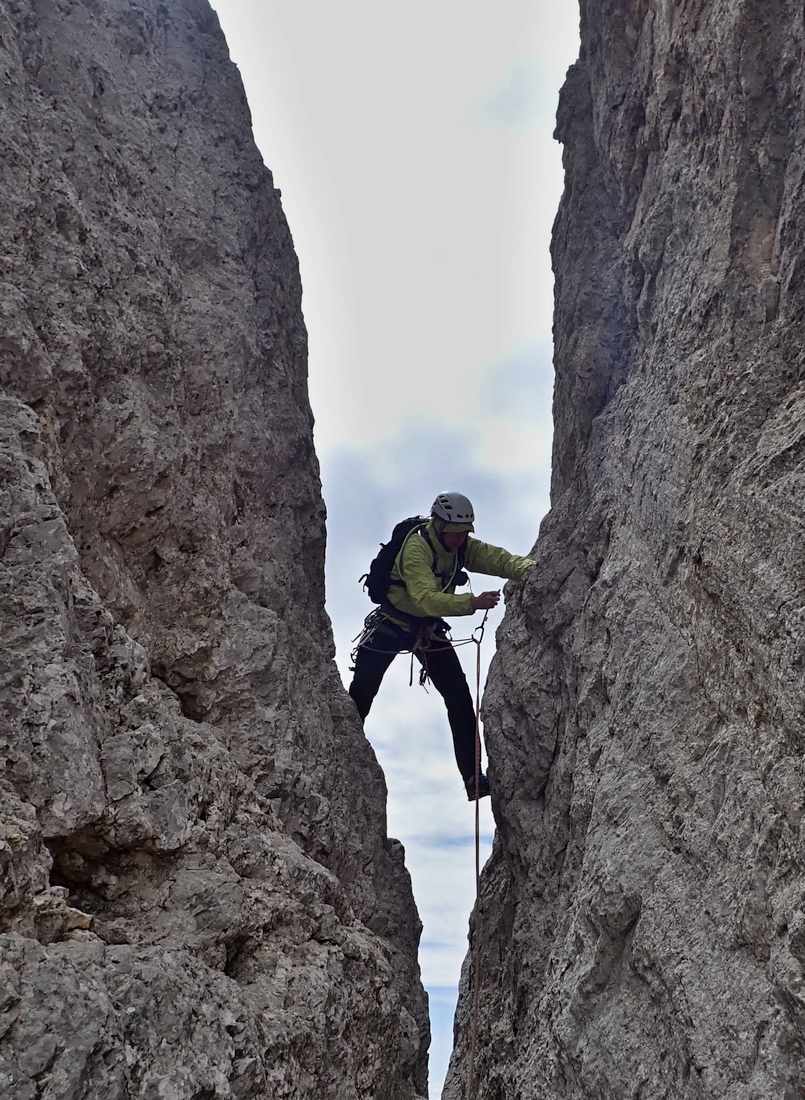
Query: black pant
x=435 y=653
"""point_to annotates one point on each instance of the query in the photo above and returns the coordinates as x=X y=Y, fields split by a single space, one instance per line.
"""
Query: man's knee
x=362 y=698
x=364 y=687
x=451 y=683
x=370 y=668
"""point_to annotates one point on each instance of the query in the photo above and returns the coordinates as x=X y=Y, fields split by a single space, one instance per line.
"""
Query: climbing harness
x=373 y=620
x=476 y=952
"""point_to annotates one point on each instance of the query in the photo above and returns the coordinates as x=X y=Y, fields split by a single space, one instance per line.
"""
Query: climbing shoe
x=483 y=787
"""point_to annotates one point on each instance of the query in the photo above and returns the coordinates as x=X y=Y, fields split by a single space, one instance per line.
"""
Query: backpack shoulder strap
x=423 y=532
x=418 y=529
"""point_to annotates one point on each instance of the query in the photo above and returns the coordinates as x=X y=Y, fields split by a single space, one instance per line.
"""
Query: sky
x=413 y=147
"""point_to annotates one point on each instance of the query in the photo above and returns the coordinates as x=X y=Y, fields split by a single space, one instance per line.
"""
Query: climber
x=422 y=589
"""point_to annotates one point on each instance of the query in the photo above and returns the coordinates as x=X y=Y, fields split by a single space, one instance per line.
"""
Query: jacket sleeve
x=494 y=560
x=422 y=585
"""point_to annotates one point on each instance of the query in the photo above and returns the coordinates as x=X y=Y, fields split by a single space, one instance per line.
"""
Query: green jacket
x=422 y=594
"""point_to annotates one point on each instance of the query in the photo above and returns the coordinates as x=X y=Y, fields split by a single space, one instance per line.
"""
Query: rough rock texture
x=198 y=898
x=643 y=912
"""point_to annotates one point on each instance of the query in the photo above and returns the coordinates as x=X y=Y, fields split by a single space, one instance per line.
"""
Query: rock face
x=643 y=913
x=198 y=897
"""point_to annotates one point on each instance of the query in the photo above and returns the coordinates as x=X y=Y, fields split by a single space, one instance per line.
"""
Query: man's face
x=454 y=540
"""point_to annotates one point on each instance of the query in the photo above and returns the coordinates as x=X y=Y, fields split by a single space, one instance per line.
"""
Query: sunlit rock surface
x=643 y=913
x=198 y=897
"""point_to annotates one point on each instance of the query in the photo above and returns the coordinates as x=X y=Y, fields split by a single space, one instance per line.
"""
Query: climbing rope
x=476 y=962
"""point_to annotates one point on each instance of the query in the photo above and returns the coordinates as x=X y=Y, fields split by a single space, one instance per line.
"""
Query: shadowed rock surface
x=643 y=912
x=198 y=896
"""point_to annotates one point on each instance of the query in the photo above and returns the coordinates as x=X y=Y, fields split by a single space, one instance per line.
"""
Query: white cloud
x=525 y=99
x=422 y=242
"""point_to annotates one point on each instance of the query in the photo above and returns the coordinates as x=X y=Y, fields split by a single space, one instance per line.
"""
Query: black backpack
x=378 y=580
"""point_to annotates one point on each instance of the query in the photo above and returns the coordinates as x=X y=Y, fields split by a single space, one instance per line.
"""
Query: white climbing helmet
x=453 y=508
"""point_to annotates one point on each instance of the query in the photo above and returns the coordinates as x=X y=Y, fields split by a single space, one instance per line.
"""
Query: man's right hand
x=486 y=601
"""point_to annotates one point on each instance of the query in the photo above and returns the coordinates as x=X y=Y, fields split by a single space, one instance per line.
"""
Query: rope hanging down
x=476 y=953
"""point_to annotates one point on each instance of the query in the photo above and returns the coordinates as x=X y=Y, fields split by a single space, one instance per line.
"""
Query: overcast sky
x=413 y=147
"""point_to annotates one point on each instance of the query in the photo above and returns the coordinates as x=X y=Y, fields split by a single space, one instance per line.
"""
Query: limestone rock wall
x=643 y=912
x=198 y=895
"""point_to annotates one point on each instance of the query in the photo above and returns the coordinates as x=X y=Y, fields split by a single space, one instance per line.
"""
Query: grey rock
x=642 y=912
x=198 y=896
